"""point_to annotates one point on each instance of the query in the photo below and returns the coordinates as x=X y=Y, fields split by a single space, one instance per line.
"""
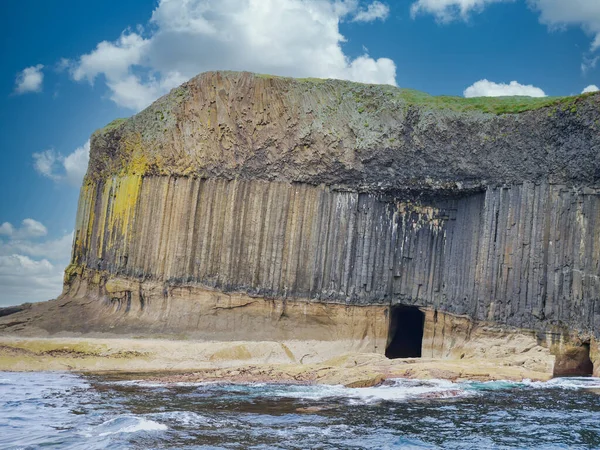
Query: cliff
x=242 y=204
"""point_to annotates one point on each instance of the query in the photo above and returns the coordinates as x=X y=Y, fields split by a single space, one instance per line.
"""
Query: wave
x=404 y=389
x=570 y=383
x=162 y=384
x=187 y=418
x=392 y=390
x=398 y=389
x=395 y=390
x=125 y=424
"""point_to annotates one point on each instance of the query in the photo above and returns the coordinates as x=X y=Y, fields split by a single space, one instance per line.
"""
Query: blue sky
x=71 y=66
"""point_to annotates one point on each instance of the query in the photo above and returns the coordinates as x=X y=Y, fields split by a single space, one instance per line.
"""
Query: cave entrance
x=575 y=362
x=405 y=336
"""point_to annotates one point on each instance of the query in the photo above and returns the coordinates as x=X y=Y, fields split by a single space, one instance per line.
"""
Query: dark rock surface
x=349 y=135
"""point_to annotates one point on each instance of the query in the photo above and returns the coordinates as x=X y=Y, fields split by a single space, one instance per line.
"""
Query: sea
x=49 y=410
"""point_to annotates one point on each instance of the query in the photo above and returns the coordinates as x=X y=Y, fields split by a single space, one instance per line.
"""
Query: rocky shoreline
x=170 y=361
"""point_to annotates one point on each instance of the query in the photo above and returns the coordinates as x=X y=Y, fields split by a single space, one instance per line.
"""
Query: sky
x=71 y=67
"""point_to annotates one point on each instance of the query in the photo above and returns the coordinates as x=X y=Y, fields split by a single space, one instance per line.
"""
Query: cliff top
x=352 y=135
x=491 y=105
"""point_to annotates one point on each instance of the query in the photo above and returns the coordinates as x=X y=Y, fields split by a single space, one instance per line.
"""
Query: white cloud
x=131 y=92
x=449 y=10
x=554 y=13
x=6 y=229
x=281 y=37
x=26 y=280
x=31 y=267
x=29 y=229
x=367 y=70
x=21 y=262
x=62 y=65
x=589 y=63
x=45 y=163
x=112 y=59
x=29 y=80
x=54 y=249
x=559 y=13
x=374 y=11
x=76 y=164
x=590 y=88
x=70 y=169
x=485 y=88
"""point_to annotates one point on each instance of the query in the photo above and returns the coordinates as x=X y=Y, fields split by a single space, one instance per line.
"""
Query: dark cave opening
x=587 y=366
x=405 y=336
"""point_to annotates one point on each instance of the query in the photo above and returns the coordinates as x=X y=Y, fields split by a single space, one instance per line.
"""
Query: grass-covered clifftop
x=355 y=136
x=412 y=97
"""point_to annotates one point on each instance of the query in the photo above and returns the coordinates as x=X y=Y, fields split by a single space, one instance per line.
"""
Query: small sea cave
x=405 y=337
x=575 y=362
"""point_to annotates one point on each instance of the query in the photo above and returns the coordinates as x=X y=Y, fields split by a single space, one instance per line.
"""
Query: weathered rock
x=307 y=192
x=7 y=311
x=574 y=361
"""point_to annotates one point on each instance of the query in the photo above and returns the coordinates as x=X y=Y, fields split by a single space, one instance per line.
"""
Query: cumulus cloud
x=29 y=229
x=554 y=13
x=112 y=59
x=29 y=79
x=27 y=280
x=281 y=37
x=449 y=10
x=6 y=229
x=31 y=266
x=374 y=11
x=70 y=169
x=485 y=88
x=589 y=63
x=560 y=13
x=590 y=88
x=51 y=248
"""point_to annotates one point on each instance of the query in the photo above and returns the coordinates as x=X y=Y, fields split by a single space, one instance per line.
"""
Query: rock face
x=314 y=192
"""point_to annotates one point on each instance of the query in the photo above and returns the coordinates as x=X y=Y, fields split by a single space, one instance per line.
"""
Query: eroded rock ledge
x=332 y=202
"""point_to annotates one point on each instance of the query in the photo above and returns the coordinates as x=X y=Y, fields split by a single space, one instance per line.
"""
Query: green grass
x=371 y=97
x=371 y=94
x=492 y=105
x=111 y=126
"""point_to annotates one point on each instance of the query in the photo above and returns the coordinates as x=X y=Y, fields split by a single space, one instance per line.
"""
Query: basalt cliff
x=242 y=206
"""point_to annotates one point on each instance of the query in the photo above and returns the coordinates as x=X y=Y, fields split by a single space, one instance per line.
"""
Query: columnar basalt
x=313 y=200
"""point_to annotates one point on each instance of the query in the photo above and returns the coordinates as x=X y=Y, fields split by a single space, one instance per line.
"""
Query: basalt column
x=243 y=206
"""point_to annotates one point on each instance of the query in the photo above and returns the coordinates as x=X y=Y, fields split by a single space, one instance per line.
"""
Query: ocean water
x=57 y=410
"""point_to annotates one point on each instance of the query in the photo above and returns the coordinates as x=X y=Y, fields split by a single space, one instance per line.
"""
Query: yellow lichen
x=104 y=202
x=126 y=191
x=135 y=161
x=71 y=271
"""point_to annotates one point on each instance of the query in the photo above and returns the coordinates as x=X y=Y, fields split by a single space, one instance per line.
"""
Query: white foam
x=393 y=390
x=400 y=390
x=125 y=424
x=186 y=418
x=140 y=383
x=567 y=383
x=572 y=383
x=162 y=384
x=318 y=392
